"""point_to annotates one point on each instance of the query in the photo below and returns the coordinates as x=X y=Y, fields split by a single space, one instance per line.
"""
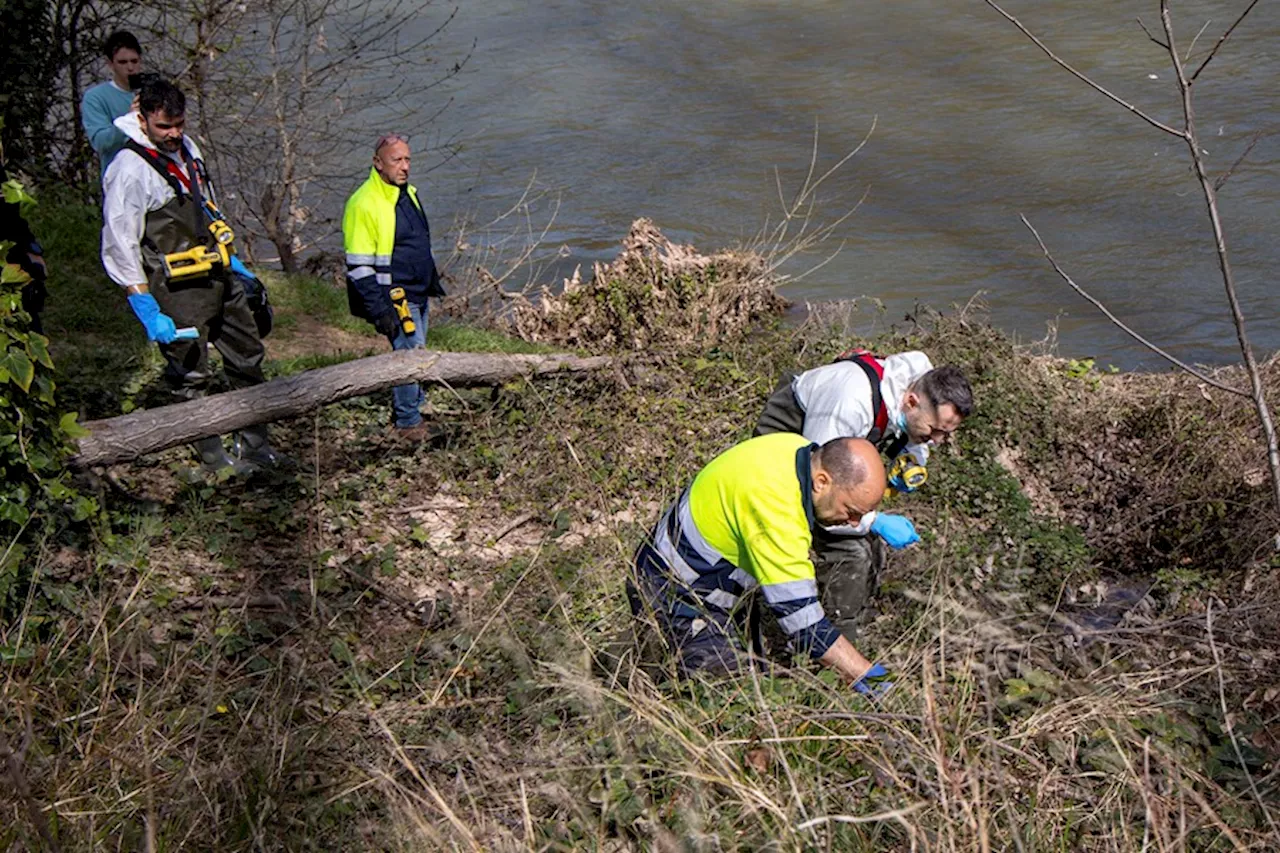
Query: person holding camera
x=112 y=98
x=166 y=244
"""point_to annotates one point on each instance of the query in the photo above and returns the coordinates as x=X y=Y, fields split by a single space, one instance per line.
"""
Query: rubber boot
x=214 y=457
x=252 y=446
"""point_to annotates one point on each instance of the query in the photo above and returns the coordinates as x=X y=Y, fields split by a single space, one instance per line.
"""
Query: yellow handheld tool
x=401 y=303
x=200 y=260
x=906 y=474
x=193 y=262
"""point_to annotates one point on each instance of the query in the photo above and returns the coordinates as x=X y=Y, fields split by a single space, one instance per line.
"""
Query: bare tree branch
x=1209 y=187
x=1149 y=35
x=777 y=242
x=1220 y=242
x=288 y=91
x=1214 y=50
x=1253 y=140
x=1159 y=125
x=1203 y=377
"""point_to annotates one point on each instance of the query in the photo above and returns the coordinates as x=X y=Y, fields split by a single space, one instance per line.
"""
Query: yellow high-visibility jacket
x=747 y=521
x=369 y=240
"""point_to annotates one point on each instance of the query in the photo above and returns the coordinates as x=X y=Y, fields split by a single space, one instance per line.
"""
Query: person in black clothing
x=25 y=253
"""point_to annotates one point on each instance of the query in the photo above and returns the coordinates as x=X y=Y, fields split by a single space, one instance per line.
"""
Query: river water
x=682 y=111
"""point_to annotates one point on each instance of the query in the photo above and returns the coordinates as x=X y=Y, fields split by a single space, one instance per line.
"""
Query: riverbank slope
x=399 y=648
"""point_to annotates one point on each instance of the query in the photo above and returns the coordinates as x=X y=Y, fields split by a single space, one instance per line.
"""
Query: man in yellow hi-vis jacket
x=388 y=245
x=746 y=522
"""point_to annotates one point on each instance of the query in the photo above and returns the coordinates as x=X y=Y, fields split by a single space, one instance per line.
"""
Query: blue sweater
x=102 y=105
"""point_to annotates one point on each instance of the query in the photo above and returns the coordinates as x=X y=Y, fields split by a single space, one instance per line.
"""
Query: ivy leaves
x=35 y=438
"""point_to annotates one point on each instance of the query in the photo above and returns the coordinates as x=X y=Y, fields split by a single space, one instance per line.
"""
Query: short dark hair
x=119 y=39
x=946 y=385
x=838 y=459
x=160 y=94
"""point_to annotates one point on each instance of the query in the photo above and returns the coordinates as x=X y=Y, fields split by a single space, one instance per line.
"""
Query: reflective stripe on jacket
x=747 y=521
x=368 y=236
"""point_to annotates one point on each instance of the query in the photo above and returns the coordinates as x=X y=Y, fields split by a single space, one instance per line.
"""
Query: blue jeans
x=407 y=399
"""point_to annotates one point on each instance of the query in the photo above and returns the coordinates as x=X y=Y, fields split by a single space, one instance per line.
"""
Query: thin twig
x=1159 y=125
x=1194 y=40
x=501 y=608
x=520 y=519
x=528 y=818
x=18 y=779
x=1214 y=51
x=1219 y=181
x=443 y=503
x=1149 y=35
x=1114 y=319
x=782 y=758
x=880 y=817
x=373 y=586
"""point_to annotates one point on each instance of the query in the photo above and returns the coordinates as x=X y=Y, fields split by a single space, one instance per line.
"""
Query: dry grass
x=965 y=755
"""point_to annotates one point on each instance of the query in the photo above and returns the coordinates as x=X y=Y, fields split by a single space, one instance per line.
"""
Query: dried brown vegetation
x=656 y=293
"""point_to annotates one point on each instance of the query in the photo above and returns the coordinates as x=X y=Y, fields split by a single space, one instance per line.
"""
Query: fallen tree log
x=136 y=434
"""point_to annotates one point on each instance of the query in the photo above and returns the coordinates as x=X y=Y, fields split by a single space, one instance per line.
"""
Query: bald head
x=391 y=159
x=848 y=481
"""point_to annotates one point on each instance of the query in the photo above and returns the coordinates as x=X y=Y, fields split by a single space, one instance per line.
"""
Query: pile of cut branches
x=655 y=293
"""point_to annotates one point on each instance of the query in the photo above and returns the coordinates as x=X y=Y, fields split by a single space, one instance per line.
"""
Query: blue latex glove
x=237 y=266
x=874 y=683
x=158 y=324
x=896 y=530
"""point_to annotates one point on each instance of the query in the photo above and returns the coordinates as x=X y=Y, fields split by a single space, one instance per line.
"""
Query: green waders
x=215 y=305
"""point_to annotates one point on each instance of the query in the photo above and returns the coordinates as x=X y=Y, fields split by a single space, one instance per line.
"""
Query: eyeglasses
x=937 y=434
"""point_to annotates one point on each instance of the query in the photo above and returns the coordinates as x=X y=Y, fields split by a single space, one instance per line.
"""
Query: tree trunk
x=130 y=436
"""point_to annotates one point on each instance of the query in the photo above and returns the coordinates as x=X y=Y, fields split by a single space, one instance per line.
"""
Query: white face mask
x=919 y=451
x=902 y=421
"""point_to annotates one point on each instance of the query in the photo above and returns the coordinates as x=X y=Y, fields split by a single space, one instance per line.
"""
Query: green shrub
x=35 y=437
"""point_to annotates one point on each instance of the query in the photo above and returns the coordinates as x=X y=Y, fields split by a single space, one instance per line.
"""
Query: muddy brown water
x=681 y=112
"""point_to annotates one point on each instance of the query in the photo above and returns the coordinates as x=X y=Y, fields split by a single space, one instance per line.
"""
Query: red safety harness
x=875 y=375
x=170 y=171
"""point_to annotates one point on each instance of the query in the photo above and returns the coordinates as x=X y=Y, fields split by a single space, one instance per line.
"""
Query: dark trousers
x=848 y=570
x=217 y=307
x=34 y=294
x=701 y=640
x=848 y=567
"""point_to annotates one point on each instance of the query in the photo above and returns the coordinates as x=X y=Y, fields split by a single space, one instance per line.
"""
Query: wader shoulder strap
x=182 y=185
x=195 y=168
x=152 y=158
x=875 y=374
